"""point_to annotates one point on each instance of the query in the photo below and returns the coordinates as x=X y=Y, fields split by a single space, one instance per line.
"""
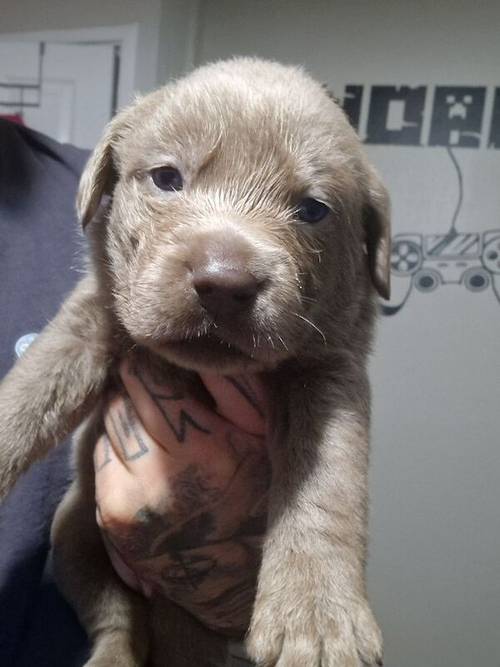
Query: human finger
x=241 y=399
x=170 y=417
x=132 y=469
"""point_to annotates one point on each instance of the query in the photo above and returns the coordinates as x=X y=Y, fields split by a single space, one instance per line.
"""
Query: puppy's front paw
x=327 y=635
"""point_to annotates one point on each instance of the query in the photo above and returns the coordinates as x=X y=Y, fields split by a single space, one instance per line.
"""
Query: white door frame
x=124 y=36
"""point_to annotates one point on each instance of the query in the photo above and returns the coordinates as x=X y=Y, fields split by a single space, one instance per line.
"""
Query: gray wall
x=178 y=36
x=434 y=571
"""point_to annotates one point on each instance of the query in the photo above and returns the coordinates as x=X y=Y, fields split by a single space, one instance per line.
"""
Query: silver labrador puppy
x=242 y=230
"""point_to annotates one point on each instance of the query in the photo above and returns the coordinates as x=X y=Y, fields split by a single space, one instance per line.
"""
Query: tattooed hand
x=181 y=493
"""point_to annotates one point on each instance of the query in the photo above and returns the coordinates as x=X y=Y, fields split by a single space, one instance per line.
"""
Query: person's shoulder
x=17 y=139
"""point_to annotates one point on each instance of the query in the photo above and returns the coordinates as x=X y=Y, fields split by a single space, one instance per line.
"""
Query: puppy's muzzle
x=222 y=275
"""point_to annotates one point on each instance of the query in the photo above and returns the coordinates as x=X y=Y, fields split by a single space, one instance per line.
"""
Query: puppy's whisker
x=312 y=325
x=282 y=342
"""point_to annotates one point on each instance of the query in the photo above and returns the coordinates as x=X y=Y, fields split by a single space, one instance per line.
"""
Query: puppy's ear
x=99 y=176
x=378 y=234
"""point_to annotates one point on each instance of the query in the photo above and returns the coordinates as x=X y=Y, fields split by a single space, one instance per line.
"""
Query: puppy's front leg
x=54 y=385
x=311 y=608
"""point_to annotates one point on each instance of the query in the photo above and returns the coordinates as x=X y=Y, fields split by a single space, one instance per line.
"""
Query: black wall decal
x=396 y=115
x=353 y=97
x=494 y=139
x=457 y=116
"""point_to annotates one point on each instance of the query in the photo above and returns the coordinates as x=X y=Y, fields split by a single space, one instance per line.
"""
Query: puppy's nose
x=220 y=273
x=225 y=291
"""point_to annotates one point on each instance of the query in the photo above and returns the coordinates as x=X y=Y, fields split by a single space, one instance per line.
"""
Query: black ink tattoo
x=126 y=427
x=191 y=490
x=155 y=523
x=106 y=448
x=117 y=432
x=192 y=569
x=184 y=418
x=192 y=534
x=246 y=390
x=129 y=427
x=232 y=600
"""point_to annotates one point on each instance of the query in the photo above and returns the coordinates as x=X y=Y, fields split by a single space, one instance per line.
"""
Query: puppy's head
x=245 y=224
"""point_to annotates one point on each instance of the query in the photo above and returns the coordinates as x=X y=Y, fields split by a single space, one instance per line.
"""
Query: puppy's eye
x=167 y=178
x=311 y=210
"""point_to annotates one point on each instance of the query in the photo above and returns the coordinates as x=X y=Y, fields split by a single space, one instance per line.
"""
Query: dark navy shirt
x=40 y=253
